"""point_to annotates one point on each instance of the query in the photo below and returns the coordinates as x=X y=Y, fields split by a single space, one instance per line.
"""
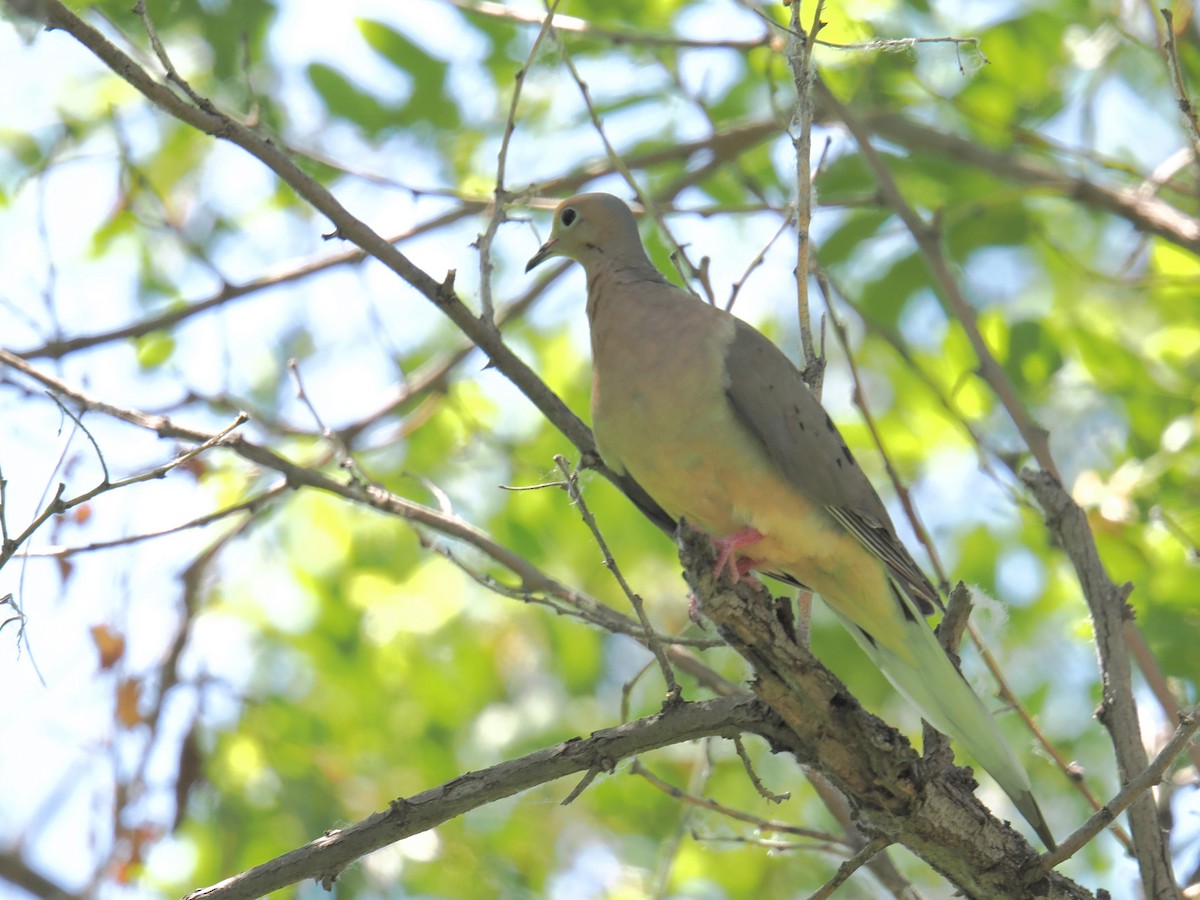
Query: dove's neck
x=610 y=280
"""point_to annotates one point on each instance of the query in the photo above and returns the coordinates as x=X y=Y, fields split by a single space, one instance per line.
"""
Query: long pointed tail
x=919 y=668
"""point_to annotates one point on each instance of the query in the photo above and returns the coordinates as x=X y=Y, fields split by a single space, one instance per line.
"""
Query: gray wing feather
x=769 y=397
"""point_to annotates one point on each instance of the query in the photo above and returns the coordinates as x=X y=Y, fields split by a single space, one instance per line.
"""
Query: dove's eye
x=569 y=216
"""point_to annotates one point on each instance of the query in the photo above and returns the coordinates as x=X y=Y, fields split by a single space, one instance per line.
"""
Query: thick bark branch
x=925 y=804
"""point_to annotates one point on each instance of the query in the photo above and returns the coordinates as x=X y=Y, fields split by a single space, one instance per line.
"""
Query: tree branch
x=532 y=579
x=927 y=805
x=1138 y=787
x=1068 y=524
x=327 y=856
x=1035 y=436
x=1148 y=214
x=207 y=118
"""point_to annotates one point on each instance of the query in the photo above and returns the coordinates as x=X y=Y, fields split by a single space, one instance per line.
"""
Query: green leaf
x=429 y=103
x=154 y=349
x=1033 y=357
x=348 y=101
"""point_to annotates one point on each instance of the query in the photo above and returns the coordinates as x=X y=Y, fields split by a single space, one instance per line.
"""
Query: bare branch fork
x=1180 y=743
x=59 y=503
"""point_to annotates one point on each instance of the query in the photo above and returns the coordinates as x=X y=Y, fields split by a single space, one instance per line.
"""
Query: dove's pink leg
x=728 y=544
x=738 y=568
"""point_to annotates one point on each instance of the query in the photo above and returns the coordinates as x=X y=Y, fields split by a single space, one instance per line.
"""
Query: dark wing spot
x=829 y=423
x=849 y=455
x=839 y=463
x=866 y=634
x=904 y=607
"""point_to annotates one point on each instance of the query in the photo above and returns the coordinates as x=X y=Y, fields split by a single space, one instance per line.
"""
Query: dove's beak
x=546 y=251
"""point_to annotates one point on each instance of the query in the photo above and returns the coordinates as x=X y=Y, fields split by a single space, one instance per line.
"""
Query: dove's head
x=592 y=229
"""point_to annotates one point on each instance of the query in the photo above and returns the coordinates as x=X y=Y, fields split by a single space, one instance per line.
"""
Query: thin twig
x=3 y=510
x=585 y=609
x=706 y=676
x=768 y=844
x=251 y=505
x=561 y=599
x=852 y=865
x=899 y=45
x=688 y=270
x=886 y=45
x=753 y=776
x=160 y=51
x=1182 y=100
x=881 y=865
x=659 y=881
x=758 y=260
x=1162 y=173
x=713 y=806
x=800 y=58
x=616 y=36
x=253 y=114
x=674 y=692
x=630 y=684
x=346 y=461
x=1133 y=789
x=91 y=438
x=500 y=195
x=928 y=243
x=1177 y=531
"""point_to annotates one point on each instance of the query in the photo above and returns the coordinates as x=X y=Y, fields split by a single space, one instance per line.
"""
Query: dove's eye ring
x=569 y=216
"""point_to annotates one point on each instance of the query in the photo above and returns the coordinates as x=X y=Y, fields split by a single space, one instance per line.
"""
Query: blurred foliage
x=371 y=667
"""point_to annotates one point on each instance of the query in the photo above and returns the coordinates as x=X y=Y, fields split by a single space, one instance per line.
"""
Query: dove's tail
x=919 y=668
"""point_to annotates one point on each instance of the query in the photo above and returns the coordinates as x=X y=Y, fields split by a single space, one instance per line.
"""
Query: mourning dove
x=717 y=426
